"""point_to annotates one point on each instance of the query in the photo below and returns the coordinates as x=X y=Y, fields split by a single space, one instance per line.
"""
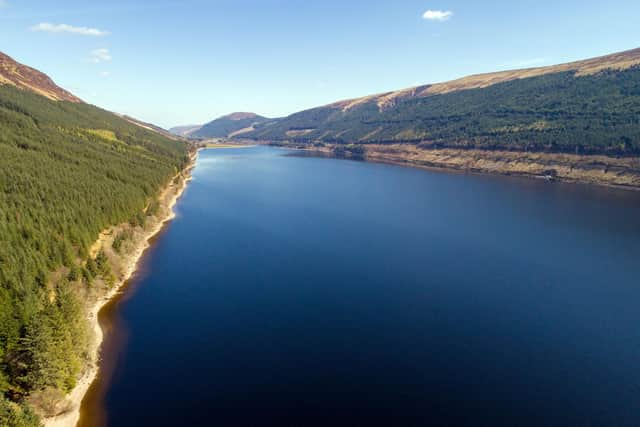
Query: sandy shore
x=170 y=196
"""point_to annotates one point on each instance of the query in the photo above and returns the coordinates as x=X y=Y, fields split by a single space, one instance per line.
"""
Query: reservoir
x=303 y=291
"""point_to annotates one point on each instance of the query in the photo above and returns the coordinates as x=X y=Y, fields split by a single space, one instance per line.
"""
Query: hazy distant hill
x=232 y=125
x=185 y=131
x=584 y=106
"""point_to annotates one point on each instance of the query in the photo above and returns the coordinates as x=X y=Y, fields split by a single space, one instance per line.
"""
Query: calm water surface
x=298 y=291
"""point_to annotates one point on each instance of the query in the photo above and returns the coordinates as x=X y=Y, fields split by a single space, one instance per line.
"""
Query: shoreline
x=527 y=176
x=225 y=146
x=462 y=168
x=171 y=194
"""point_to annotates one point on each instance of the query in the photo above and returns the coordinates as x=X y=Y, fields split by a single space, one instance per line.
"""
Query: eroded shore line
x=597 y=170
x=168 y=198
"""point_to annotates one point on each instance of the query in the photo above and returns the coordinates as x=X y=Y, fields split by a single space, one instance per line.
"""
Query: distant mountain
x=185 y=131
x=232 y=125
x=21 y=76
x=584 y=106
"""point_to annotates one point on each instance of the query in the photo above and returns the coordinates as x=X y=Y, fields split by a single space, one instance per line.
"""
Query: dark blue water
x=298 y=291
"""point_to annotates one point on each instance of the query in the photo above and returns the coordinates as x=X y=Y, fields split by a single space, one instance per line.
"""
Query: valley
x=576 y=122
x=145 y=270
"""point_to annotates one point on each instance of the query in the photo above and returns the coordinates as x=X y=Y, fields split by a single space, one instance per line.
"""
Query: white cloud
x=64 y=28
x=105 y=74
x=100 y=55
x=437 y=15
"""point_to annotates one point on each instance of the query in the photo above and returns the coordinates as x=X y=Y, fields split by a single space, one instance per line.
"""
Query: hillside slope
x=68 y=170
x=21 y=76
x=185 y=131
x=616 y=61
x=151 y=127
x=590 y=106
x=229 y=126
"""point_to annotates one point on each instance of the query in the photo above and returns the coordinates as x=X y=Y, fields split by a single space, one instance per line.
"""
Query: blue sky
x=176 y=62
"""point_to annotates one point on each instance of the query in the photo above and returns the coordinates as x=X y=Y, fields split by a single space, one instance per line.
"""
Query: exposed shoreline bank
x=623 y=173
x=168 y=198
x=219 y=146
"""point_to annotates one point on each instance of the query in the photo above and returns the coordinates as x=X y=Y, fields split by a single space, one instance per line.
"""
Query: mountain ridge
x=588 y=106
x=24 y=77
x=618 y=61
x=21 y=76
x=230 y=125
x=241 y=116
x=184 y=130
x=150 y=126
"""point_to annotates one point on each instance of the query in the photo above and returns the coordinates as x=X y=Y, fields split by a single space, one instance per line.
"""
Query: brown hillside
x=24 y=77
x=616 y=61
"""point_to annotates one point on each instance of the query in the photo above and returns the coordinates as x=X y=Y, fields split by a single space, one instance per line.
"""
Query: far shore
x=215 y=145
x=168 y=198
x=598 y=170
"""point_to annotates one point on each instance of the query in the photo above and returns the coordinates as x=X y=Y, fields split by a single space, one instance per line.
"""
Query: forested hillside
x=67 y=171
x=557 y=112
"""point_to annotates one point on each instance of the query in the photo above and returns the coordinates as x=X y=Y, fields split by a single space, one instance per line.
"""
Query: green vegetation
x=224 y=126
x=67 y=171
x=14 y=415
x=120 y=239
x=558 y=112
